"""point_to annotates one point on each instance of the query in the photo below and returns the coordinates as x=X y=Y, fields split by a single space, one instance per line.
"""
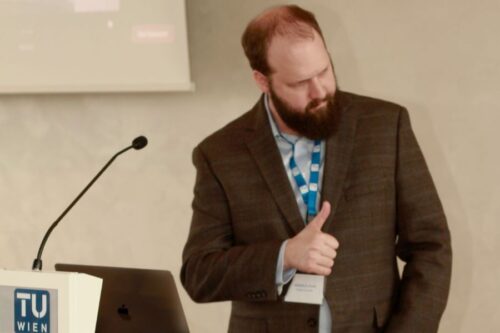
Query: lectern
x=48 y=302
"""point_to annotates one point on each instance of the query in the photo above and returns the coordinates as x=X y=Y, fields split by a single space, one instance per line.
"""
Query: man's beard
x=315 y=124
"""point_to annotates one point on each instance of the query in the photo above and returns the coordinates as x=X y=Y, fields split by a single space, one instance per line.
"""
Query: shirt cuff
x=283 y=277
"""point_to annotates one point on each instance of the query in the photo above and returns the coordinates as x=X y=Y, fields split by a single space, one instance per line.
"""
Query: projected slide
x=93 y=46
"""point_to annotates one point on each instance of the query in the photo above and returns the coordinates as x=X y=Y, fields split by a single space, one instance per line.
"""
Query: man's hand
x=311 y=250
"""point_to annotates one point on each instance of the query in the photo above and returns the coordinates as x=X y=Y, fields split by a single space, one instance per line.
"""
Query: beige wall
x=441 y=59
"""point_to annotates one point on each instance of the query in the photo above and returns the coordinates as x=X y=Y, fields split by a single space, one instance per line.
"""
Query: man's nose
x=316 y=89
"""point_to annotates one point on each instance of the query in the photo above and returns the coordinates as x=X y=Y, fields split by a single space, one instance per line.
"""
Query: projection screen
x=54 y=46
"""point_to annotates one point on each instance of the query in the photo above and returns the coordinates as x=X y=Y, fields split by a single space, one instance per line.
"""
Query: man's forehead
x=297 y=58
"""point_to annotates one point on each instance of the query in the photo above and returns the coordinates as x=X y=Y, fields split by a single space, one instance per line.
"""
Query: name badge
x=306 y=288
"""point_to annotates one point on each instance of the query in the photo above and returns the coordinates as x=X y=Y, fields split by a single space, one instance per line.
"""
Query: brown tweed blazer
x=384 y=206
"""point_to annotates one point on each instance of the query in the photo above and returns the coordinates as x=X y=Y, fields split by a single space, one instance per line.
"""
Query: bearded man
x=303 y=204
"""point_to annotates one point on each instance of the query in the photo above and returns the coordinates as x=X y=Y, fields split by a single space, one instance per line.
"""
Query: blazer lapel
x=263 y=148
x=337 y=158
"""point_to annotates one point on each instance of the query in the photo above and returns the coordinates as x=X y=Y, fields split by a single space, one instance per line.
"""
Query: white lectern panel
x=41 y=302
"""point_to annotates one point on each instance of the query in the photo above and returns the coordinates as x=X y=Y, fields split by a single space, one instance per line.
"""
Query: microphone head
x=139 y=142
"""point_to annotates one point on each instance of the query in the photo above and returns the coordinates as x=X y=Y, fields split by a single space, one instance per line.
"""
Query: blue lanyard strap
x=309 y=192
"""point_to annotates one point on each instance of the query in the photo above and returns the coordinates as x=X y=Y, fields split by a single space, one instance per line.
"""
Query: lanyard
x=309 y=192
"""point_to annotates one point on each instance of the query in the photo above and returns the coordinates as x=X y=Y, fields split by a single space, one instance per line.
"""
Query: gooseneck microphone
x=138 y=143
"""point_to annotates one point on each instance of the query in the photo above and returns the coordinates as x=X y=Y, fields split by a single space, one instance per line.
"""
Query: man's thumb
x=323 y=214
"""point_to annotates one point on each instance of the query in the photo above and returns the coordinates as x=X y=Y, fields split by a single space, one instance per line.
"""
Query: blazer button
x=312 y=322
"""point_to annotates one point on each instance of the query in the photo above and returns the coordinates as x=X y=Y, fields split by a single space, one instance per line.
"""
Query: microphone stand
x=137 y=144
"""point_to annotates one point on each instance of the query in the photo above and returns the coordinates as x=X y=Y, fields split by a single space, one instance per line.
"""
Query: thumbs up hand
x=311 y=250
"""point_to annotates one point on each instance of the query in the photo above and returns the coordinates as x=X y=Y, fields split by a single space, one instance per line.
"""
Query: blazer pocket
x=383 y=311
x=239 y=324
x=357 y=190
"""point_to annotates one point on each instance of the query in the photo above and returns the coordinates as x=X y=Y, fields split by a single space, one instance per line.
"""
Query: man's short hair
x=290 y=20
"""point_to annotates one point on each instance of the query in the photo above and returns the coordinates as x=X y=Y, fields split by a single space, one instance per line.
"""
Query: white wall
x=441 y=59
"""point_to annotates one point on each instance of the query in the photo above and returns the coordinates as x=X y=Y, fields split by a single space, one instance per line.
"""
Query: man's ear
x=262 y=81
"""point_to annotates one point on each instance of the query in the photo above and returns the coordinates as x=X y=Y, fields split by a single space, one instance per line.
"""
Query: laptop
x=135 y=300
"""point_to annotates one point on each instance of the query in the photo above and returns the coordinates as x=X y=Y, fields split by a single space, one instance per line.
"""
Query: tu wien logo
x=31 y=311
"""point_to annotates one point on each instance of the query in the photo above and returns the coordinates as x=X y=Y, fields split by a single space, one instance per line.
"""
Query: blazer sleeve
x=423 y=241
x=214 y=268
